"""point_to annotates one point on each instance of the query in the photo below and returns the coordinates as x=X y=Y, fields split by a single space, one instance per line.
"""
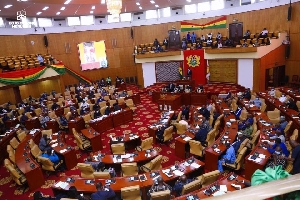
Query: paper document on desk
x=63 y=151
x=187 y=138
x=165 y=120
x=218 y=193
x=232 y=120
x=178 y=173
x=125 y=156
x=295 y=117
x=32 y=132
x=171 y=111
x=54 y=145
x=258 y=113
x=262 y=156
x=223 y=188
x=186 y=164
x=195 y=165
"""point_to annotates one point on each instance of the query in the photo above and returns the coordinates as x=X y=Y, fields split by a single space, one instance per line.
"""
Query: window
x=45 y=22
x=73 y=21
x=1 y=22
x=188 y=9
x=29 y=22
x=125 y=17
x=87 y=20
x=166 y=12
x=217 y=4
x=204 y=6
x=112 y=19
x=151 y=14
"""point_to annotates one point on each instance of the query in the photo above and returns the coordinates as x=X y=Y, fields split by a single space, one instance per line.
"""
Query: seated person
x=228 y=97
x=68 y=102
x=39 y=196
x=96 y=107
x=158 y=186
x=247 y=35
x=23 y=119
x=282 y=146
x=63 y=120
x=247 y=94
x=5 y=118
x=188 y=89
x=95 y=164
x=277 y=159
x=209 y=41
x=41 y=60
x=245 y=44
x=283 y=122
x=292 y=105
x=219 y=36
x=116 y=107
x=279 y=128
x=44 y=143
x=264 y=33
x=229 y=157
x=55 y=106
x=203 y=111
x=185 y=112
x=52 y=156
x=107 y=110
x=160 y=132
x=242 y=125
x=278 y=134
x=171 y=87
x=257 y=102
x=240 y=138
x=248 y=130
x=201 y=135
x=44 y=119
x=180 y=183
x=219 y=44
x=202 y=38
x=282 y=99
x=200 y=89
x=123 y=94
x=100 y=100
x=272 y=92
x=103 y=192
x=97 y=114
x=111 y=170
x=209 y=35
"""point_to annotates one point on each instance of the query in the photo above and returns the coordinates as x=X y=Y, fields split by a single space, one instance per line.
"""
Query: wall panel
x=223 y=70
x=7 y=95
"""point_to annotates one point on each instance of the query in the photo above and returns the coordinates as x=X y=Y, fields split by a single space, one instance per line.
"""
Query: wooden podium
x=174 y=40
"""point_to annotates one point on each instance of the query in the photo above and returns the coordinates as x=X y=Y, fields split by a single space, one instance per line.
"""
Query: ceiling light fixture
x=114 y=7
x=137 y=3
x=58 y=13
x=38 y=13
x=8 y=6
x=189 y=1
x=22 y=0
x=153 y=2
x=91 y=12
x=140 y=8
x=93 y=7
x=45 y=8
x=63 y=8
x=68 y=1
x=102 y=1
x=156 y=6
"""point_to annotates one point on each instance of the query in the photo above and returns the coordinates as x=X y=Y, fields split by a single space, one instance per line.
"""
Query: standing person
x=194 y=37
x=103 y=192
x=188 y=37
x=189 y=73
x=295 y=158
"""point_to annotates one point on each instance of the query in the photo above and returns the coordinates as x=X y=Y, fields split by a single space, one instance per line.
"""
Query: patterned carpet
x=146 y=114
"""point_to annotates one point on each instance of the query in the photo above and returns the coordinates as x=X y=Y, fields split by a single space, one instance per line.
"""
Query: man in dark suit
x=103 y=192
x=189 y=73
x=201 y=135
x=247 y=94
x=160 y=132
x=186 y=112
x=171 y=87
x=203 y=111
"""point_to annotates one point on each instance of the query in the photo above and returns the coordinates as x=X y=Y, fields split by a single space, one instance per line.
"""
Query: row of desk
x=121 y=182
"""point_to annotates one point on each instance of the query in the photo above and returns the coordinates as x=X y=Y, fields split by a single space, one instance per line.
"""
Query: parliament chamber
x=140 y=117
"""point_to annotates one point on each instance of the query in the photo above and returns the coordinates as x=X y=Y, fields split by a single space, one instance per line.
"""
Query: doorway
x=236 y=32
x=275 y=77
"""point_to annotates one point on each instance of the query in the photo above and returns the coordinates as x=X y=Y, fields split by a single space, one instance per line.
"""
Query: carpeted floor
x=146 y=114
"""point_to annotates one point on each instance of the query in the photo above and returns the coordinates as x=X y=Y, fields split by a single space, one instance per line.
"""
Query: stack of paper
x=218 y=193
x=195 y=165
x=262 y=156
x=54 y=145
x=223 y=188
x=63 y=151
x=178 y=173
x=61 y=184
x=187 y=138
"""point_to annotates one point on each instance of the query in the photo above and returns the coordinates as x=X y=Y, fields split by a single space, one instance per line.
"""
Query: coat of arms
x=193 y=61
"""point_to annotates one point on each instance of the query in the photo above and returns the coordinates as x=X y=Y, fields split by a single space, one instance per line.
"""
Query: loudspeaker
x=45 y=41
x=287 y=51
x=289 y=17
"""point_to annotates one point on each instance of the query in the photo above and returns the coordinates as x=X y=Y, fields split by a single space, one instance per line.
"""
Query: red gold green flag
x=218 y=23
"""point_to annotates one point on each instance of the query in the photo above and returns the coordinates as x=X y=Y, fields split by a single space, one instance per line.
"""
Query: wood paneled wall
x=36 y=89
x=223 y=70
x=7 y=95
x=121 y=61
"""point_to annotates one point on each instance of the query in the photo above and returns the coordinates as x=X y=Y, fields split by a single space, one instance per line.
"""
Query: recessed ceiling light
x=38 y=13
x=137 y=3
x=153 y=2
x=140 y=7
x=68 y=1
x=58 y=13
x=45 y=8
x=8 y=6
x=156 y=6
x=93 y=7
x=102 y=1
x=91 y=12
x=63 y=8
x=22 y=0
x=188 y=0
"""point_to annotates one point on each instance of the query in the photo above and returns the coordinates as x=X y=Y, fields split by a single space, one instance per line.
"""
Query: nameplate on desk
x=133 y=178
x=91 y=182
x=192 y=197
x=187 y=138
x=61 y=184
x=142 y=178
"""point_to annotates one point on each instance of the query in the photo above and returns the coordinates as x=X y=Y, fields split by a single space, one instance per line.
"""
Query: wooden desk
x=11 y=123
x=94 y=137
x=198 y=99
x=131 y=141
x=32 y=123
x=69 y=156
x=122 y=117
x=185 y=98
x=59 y=111
x=53 y=125
x=78 y=124
x=4 y=141
x=249 y=107
x=181 y=146
x=34 y=174
x=102 y=124
x=173 y=100
x=136 y=98
x=224 y=181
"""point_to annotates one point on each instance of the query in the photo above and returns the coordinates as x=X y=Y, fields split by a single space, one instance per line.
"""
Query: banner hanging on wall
x=194 y=60
x=218 y=23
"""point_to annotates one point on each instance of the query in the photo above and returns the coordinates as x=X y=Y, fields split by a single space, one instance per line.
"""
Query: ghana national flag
x=218 y=23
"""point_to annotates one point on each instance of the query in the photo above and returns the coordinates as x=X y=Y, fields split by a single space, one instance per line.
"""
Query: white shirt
x=219 y=45
x=282 y=99
x=272 y=93
x=264 y=32
x=84 y=105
